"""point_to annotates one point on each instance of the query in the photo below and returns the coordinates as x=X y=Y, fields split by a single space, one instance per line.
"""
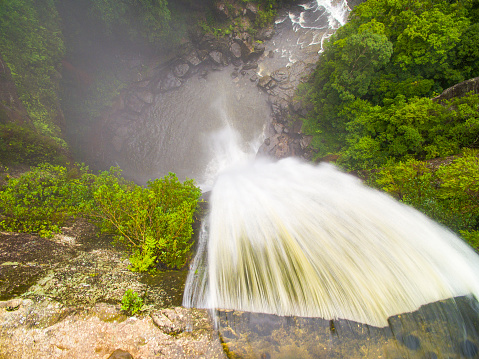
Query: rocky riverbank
x=61 y=298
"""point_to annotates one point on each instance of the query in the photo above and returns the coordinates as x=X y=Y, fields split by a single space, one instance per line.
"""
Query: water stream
x=295 y=241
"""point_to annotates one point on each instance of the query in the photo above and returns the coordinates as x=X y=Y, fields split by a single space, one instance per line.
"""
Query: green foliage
x=219 y=31
x=448 y=194
x=131 y=302
x=42 y=200
x=265 y=17
x=32 y=46
x=419 y=128
x=155 y=222
x=160 y=228
x=23 y=145
x=378 y=66
x=143 y=18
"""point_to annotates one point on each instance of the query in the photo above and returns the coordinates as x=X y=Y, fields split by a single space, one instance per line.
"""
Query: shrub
x=154 y=222
x=42 y=200
x=449 y=194
x=131 y=302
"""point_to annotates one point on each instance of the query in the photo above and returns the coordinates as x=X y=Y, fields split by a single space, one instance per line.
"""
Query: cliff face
x=11 y=107
x=459 y=90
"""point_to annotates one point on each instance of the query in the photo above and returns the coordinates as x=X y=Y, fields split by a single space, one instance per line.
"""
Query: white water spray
x=293 y=239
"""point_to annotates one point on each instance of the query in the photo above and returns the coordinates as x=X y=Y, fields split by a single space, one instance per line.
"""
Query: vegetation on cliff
x=371 y=99
x=32 y=46
x=154 y=223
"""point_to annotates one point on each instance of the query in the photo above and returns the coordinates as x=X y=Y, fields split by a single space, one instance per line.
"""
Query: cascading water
x=301 y=30
x=294 y=239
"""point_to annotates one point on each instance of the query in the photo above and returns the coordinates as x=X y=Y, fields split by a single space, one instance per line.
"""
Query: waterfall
x=296 y=239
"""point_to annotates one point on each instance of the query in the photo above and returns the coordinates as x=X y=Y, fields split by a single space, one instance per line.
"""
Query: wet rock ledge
x=61 y=298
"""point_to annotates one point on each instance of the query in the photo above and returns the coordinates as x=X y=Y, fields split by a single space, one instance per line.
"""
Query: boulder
x=459 y=90
x=181 y=69
x=193 y=58
x=217 y=57
x=120 y=354
x=280 y=75
x=235 y=50
x=265 y=33
x=221 y=11
x=266 y=83
x=170 y=82
x=251 y=11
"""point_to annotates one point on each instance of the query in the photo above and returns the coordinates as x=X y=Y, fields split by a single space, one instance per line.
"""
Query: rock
x=221 y=11
x=133 y=103
x=459 y=90
x=266 y=83
x=170 y=82
x=279 y=146
x=235 y=50
x=120 y=354
x=280 y=75
x=305 y=142
x=251 y=10
x=265 y=33
x=80 y=323
x=193 y=58
x=171 y=321
x=278 y=128
x=180 y=70
x=217 y=57
x=410 y=341
x=11 y=305
x=249 y=52
x=250 y=66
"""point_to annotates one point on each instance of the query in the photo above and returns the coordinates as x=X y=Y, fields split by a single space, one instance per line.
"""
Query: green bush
x=154 y=222
x=448 y=194
x=380 y=69
x=419 y=128
x=42 y=200
x=131 y=302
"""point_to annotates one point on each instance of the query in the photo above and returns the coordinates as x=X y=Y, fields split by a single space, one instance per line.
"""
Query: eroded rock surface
x=61 y=298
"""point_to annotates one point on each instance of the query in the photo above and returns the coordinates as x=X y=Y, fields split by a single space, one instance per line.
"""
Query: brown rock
x=459 y=90
x=120 y=354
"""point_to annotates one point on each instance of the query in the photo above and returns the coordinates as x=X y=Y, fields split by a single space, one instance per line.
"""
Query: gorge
x=293 y=259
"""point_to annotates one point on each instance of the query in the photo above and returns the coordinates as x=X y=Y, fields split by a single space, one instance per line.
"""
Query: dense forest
x=371 y=104
x=372 y=107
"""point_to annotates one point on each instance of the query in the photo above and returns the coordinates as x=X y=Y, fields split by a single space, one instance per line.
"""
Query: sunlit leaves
x=155 y=222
